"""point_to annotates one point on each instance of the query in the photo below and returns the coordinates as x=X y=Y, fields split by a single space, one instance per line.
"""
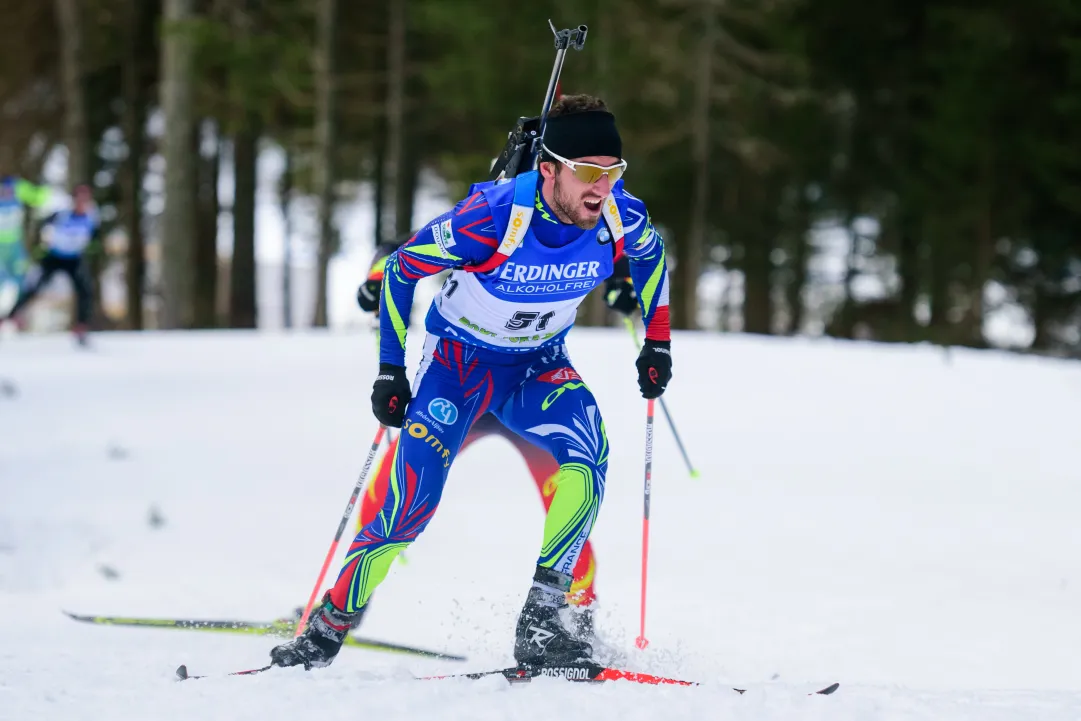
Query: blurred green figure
x=17 y=196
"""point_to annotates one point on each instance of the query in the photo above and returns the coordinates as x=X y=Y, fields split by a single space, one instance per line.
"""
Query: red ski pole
x=642 y=641
x=341 y=527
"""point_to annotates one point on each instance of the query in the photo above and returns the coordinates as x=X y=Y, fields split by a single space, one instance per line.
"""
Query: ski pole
x=641 y=641
x=341 y=527
x=664 y=407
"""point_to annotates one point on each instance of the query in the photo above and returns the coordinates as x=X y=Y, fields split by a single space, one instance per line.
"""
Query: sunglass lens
x=588 y=173
x=591 y=173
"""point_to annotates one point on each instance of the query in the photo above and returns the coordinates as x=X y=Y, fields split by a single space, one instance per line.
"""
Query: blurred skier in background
x=65 y=237
x=17 y=198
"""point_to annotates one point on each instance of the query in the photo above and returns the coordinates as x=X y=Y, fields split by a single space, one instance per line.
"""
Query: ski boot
x=541 y=638
x=321 y=640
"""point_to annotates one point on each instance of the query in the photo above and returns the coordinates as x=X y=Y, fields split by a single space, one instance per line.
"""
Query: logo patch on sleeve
x=444 y=237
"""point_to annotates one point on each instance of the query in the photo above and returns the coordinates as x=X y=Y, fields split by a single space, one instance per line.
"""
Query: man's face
x=575 y=201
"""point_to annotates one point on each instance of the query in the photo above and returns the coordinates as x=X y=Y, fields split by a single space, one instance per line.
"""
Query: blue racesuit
x=495 y=341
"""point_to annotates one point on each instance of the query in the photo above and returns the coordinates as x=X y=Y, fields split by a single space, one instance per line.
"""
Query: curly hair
x=570 y=104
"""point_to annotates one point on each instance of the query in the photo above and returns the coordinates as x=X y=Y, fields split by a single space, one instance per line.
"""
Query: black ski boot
x=541 y=639
x=321 y=640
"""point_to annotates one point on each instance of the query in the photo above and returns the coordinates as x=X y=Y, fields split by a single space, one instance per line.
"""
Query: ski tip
x=696 y=474
x=181 y=672
x=829 y=689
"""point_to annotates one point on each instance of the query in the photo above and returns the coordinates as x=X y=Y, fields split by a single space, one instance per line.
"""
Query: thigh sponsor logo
x=421 y=432
x=443 y=411
x=571 y=673
x=560 y=375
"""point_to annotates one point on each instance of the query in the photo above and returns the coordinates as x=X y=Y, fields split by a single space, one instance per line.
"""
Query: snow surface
x=898 y=519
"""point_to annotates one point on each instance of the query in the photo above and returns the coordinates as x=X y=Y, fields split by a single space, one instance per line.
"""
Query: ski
x=589 y=673
x=580 y=672
x=283 y=628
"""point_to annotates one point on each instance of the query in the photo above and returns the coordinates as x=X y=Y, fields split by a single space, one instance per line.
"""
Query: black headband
x=580 y=135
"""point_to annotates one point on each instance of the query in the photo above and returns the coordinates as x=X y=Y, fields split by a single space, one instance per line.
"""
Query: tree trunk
x=844 y=325
x=940 y=269
x=177 y=222
x=1041 y=310
x=757 y=267
x=71 y=65
x=134 y=120
x=323 y=165
x=379 y=180
x=798 y=279
x=404 y=203
x=983 y=258
x=908 y=267
x=287 y=250
x=696 y=239
x=242 y=304
x=395 y=119
x=208 y=151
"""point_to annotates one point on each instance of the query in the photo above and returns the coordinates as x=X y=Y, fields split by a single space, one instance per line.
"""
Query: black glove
x=654 y=367
x=390 y=395
x=619 y=295
x=368 y=296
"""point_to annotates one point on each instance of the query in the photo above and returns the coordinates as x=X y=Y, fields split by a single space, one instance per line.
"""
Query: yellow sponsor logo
x=516 y=225
x=420 y=432
x=614 y=216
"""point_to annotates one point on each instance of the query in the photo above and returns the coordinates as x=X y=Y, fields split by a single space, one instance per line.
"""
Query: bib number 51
x=523 y=319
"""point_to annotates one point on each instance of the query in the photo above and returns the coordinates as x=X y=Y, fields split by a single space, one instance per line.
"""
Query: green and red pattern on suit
x=537 y=395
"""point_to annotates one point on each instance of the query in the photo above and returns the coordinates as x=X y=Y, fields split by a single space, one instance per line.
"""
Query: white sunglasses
x=591 y=172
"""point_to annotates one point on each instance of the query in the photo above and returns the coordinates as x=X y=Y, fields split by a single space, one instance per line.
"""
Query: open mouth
x=593 y=206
